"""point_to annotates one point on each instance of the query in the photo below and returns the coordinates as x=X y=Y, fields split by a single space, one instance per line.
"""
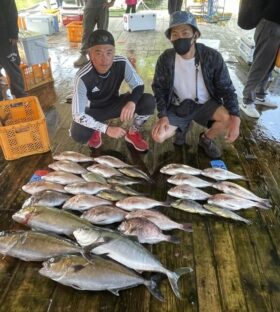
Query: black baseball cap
x=100 y=36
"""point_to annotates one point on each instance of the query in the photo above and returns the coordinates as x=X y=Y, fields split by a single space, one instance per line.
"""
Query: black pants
x=174 y=5
x=9 y=60
x=110 y=110
x=131 y=8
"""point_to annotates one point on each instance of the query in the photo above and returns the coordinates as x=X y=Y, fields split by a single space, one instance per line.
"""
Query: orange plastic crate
x=36 y=75
x=23 y=129
x=21 y=22
x=75 y=31
x=277 y=63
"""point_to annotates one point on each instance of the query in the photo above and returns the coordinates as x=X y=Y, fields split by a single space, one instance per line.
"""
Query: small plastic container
x=23 y=129
x=75 y=31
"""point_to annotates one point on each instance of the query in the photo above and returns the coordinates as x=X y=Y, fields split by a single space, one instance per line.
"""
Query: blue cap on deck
x=181 y=18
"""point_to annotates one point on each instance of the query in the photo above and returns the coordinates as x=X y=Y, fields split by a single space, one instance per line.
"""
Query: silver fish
x=126 y=190
x=232 y=202
x=35 y=246
x=62 y=177
x=84 y=202
x=139 y=202
x=93 y=177
x=173 y=169
x=123 y=180
x=96 y=274
x=146 y=231
x=221 y=174
x=226 y=213
x=72 y=156
x=46 y=198
x=190 y=206
x=89 y=188
x=104 y=171
x=159 y=219
x=49 y=219
x=39 y=186
x=187 y=179
x=104 y=215
x=67 y=166
x=111 y=161
x=111 y=195
x=127 y=252
x=188 y=192
x=235 y=189
x=135 y=173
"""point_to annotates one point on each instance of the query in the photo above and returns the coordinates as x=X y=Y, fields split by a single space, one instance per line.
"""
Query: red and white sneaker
x=95 y=140
x=135 y=138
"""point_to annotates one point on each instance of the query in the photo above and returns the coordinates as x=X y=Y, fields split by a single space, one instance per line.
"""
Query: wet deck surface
x=236 y=267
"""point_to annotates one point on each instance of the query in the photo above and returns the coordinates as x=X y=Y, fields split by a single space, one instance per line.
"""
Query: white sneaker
x=81 y=61
x=265 y=102
x=249 y=110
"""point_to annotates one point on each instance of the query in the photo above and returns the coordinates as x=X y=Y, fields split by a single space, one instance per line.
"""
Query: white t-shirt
x=185 y=80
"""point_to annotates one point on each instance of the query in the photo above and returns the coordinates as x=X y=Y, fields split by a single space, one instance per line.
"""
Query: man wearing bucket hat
x=96 y=96
x=192 y=83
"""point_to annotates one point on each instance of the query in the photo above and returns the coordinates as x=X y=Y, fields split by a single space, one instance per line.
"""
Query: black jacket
x=215 y=74
x=8 y=20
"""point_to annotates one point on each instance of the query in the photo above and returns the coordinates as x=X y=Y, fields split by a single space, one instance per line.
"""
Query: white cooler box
x=43 y=24
x=139 y=21
x=246 y=48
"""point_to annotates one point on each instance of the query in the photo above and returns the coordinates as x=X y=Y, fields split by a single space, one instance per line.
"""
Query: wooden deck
x=236 y=267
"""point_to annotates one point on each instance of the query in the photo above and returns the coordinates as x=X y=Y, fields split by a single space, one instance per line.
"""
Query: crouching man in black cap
x=96 y=96
x=191 y=82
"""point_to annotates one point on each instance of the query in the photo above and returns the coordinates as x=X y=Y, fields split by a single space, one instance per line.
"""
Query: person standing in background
x=9 y=56
x=130 y=6
x=267 y=43
x=174 y=5
x=96 y=12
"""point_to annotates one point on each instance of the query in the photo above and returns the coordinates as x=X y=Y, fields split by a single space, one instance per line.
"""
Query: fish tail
x=173 y=239
x=187 y=227
x=173 y=278
x=261 y=205
x=153 y=287
x=246 y=221
x=266 y=203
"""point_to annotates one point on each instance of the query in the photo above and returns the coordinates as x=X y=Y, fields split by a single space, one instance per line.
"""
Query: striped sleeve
x=80 y=102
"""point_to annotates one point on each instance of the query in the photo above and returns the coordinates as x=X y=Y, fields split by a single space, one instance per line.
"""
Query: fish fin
x=114 y=291
x=173 y=278
x=153 y=287
x=76 y=286
x=266 y=203
x=78 y=267
x=249 y=222
x=173 y=239
x=187 y=227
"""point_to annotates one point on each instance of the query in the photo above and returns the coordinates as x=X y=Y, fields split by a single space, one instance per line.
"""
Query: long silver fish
x=146 y=231
x=233 y=202
x=67 y=166
x=127 y=252
x=89 y=188
x=135 y=173
x=104 y=215
x=35 y=246
x=173 y=169
x=39 y=186
x=221 y=174
x=62 y=177
x=50 y=219
x=159 y=219
x=139 y=202
x=235 y=189
x=96 y=274
x=188 y=192
x=190 y=206
x=84 y=202
x=123 y=180
x=104 y=171
x=72 y=156
x=46 y=198
x=111 y=161
x=226 y=213
x=93 y=177
x=111 y=195
x=126 y=190
x=188 y=179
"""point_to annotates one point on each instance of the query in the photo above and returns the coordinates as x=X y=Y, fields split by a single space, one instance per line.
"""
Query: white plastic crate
x=43 y=24
x=35 y=48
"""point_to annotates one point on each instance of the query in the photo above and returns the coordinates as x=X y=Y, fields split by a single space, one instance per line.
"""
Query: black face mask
x=182 y=45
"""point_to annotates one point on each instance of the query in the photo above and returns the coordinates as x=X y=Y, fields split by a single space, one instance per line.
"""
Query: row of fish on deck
x=102 y=258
